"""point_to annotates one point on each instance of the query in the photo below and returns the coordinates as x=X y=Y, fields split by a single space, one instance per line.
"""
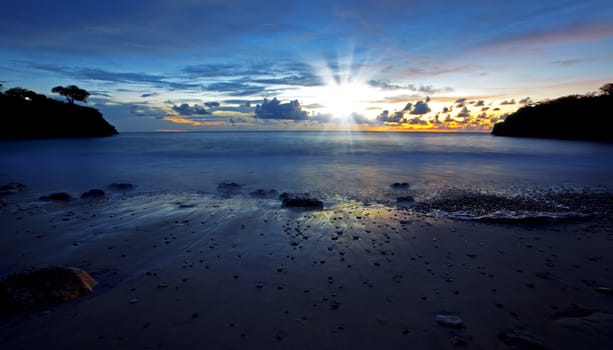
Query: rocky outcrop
x=45 y=287
x=571 y=117
x=32 y=115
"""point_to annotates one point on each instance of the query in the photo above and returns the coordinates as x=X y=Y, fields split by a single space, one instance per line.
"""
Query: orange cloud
x=180 y=120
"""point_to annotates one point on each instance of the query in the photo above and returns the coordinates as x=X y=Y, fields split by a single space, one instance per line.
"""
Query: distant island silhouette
x=575 y=117
x=26 y=114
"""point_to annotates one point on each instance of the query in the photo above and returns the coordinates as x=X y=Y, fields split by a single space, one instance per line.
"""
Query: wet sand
x=203 y=271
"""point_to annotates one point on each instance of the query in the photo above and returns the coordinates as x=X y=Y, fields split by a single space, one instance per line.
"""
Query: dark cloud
x=479 y=103
x=211 y=104
x=428 y=89
x=525 y=101
x=485 y=109
x=464 y=113
x=149 y=94
x=394 y=118
x=274 y=109
x=509 y=102
x=420 y=108
x=185 y=109
x=417 y=121
x=408 y=107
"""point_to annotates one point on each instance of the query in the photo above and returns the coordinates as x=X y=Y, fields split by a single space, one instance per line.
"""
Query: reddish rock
x=44 y=287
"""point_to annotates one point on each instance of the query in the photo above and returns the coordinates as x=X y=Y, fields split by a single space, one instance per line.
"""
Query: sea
x=355 y=165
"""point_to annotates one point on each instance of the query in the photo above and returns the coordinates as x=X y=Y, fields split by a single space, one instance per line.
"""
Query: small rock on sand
x=300 y=201
x=121 y=186
x=400 y=185
x=449 y=320
x=604 y=290
x=11 y=188
x=93 y=194
x=405 y=199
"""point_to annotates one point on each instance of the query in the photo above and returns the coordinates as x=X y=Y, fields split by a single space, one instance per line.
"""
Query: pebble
x=449 y=320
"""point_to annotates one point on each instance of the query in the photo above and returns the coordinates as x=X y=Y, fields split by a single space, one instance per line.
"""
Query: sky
x=380 y=65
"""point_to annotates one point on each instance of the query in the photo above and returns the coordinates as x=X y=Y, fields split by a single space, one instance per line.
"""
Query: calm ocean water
x=357 y=165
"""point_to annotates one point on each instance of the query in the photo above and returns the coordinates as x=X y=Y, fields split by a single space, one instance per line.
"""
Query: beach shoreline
x=191 y=270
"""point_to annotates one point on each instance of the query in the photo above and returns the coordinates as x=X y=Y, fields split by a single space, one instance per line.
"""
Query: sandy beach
x=193 y=270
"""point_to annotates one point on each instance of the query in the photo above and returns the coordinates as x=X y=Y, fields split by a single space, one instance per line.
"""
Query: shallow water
x=355 y=165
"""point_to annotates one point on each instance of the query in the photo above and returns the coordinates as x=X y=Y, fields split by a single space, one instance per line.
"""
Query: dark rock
x=260 y=193
x=31 y=115
x=11 y=188
x=400 y=185
x=297 y=200
x=93 y=193
x=121 y=186
x=405 y=199
x=59 y=196
x=521 y=338
x=43 y=287
x=229 y=188
x=604 y=290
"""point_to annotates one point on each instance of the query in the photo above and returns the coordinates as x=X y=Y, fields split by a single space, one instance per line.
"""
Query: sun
x=344 y=91
x=343 y=99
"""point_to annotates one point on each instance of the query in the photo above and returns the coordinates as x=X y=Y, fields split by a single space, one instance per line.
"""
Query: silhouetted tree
x=607 y=89
x=21 y=93
x=72 y=93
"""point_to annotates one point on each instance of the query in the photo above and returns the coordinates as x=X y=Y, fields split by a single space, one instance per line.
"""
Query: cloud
x=507 y=103
x=384 y=85
x=149 y=94
x=525 y=101
x=181 y=120
x=479 y=103
x=420 y=108
x=460 y=102
x=185 y=109
x=211 y=104
x=416 y=121
x=425 y=89
x=464 y=113
x=395 y=118
x=236 y=88
x=274 y=109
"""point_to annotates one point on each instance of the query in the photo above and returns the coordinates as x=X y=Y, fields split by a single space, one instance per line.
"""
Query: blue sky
x=158 y=65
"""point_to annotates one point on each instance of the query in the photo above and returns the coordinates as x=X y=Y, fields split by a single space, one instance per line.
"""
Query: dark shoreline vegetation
x=29 y=115
x=574 y=117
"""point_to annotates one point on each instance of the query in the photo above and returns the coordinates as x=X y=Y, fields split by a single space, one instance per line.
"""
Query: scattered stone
x=449 y=320
x=44 y=287
x=400 y=185
x=300 y=201
x=521 y=338
x=121 y=186
x=59 y=196
x=93 y=194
